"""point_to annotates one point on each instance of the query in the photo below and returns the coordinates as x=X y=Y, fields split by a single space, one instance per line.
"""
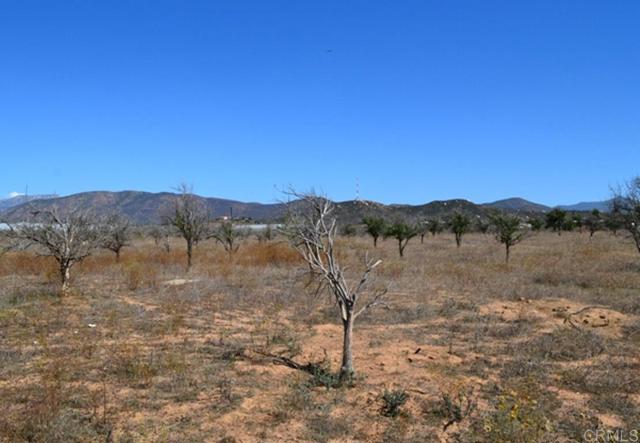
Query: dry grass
x=142 y=352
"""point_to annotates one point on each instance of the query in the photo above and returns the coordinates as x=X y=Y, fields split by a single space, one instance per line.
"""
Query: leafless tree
x=191 y=218
x=312 y=230
x=626 y=207
x=228 y=236
x=69 y=237
x=116 y=234
x=266 y=234
x=161 y=235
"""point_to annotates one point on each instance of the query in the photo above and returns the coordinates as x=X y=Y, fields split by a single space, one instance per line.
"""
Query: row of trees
x=561 y=221
x=70 y=237
x=512 y=229
x=509 y=229
x=192 y=219
x=402 y=231
x=73 y=235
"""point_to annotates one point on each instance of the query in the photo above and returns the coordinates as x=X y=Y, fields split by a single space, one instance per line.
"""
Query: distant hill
x=354 y=210
x=517 y=204
x=141 y=207
x=149 y=208
x=602 y=206
x=7 y=203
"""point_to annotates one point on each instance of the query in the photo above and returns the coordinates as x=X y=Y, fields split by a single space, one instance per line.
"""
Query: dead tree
x=161 y=235
x=264 y=235
x=191 y=218
x=69 y=237
x=116 y=234
x=312 y=230
x=228 y=236
x=626 y=208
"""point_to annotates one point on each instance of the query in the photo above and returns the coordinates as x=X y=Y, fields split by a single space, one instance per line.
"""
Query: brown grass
x=143 y=352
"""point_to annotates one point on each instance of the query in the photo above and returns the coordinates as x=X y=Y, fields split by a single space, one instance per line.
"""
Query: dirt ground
x=469 y=349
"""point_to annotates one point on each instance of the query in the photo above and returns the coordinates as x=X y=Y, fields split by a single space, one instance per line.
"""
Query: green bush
x=392 y=401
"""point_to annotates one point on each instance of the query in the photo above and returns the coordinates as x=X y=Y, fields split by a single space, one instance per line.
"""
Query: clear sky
x=420 y=100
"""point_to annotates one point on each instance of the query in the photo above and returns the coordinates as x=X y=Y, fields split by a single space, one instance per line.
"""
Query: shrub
x=392 y=402
x=457 y=405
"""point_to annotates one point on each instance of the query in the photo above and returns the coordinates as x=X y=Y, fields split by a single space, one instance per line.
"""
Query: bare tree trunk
x=65 y=274
x=189 y=254
x=400 y=248
x=118 y=256
x=375 y=242
x=507 y=254
x=458 y=240
x=347 y=370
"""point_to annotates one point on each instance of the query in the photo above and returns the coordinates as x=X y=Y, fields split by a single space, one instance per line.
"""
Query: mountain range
x=7 y=203
x=149 y=208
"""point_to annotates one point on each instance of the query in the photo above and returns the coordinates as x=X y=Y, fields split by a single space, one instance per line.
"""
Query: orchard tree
x=613 y=222
x=311 y=228
x=577 y=221
x=483 y=226
x=434 y=226
x=536 y=224
x=459 y=224
x=191 y=218
x=508 y=230
x=116 y=234
x=626 y=206
x=572 y=222
x=68 y=236
x=403 y=232
x=556 y=220
x=161 y=235
x=593 y=222
x=423 y=227
x=228 y=236
x=375 y=227
x=264 y=235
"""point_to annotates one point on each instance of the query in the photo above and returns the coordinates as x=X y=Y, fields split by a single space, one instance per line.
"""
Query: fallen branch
x=309 y=368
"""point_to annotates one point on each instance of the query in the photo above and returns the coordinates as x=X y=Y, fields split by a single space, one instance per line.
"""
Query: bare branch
x=69 y=237
x=311 y=229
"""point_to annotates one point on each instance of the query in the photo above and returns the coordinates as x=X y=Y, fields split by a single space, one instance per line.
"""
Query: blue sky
x=420 y=100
